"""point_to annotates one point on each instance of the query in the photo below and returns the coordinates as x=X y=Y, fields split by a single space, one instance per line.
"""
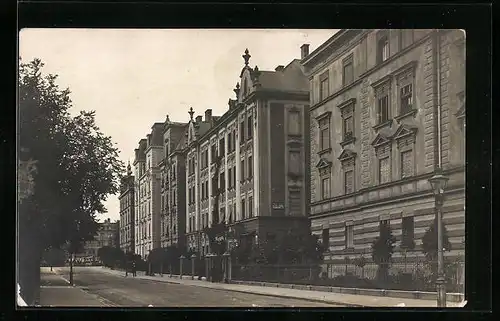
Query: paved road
x=115 y=290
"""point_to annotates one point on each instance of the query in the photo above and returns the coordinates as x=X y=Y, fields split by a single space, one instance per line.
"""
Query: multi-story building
x=106 y=236
x=173 y=185
x=147 y=191
x=127 y=208
x=387 y=110
x=263 y=143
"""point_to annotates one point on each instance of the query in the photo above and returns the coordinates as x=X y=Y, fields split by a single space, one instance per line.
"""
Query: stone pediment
x=323 y=163
x=347 y=154
x=404 y=131
x=381 y=139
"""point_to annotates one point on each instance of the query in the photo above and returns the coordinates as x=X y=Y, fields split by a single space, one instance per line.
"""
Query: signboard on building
x=278 y=206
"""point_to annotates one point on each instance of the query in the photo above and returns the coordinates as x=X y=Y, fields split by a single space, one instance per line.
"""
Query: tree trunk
x=29 y=259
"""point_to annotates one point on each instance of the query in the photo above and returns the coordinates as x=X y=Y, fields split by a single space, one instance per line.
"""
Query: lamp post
x=439 y=183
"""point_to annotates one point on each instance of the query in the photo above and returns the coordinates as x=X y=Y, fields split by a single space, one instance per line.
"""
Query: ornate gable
x=381 y=140
x=323 y=163
x=324 y=167
x=405 y=131
x=347 y=154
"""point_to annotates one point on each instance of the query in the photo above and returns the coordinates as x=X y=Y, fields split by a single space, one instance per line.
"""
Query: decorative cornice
x=325 y=115
x=348 y=102
x=411 y=66
x=404 y=131
x=382 y=81
x=346 y=155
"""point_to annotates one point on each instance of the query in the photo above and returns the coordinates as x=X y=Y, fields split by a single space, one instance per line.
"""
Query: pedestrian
x=133 y=269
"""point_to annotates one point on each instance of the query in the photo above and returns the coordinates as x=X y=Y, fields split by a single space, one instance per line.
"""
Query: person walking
x=134 y=272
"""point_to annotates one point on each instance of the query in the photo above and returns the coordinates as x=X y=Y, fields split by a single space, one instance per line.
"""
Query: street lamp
x=439 y=183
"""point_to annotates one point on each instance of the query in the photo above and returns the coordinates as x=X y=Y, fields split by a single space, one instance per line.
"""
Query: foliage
x=382 y=250
x=430 y=241
x=54 y=257
x=110 y=256
x=292 y=248
x=77 y=166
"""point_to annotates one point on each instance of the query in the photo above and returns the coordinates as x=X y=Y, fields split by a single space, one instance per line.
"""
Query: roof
x=291 y=78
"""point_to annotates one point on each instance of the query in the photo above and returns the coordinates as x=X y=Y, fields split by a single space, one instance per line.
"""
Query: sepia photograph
x=241 y=168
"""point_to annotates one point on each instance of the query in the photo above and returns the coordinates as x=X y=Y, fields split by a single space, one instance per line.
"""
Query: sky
x=133 y=78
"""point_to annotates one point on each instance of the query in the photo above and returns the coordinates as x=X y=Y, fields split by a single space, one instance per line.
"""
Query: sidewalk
x=350 y=300
x=65 y=295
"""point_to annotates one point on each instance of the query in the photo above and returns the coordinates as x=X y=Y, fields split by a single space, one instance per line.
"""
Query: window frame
x=348 y=62
x=324 y=91
x=325 y=239
x=325 y=196
x=383 y=41
x=349 y=235
x=404 y=79
x=250 y=127
x=294 y=125
x=379 y=169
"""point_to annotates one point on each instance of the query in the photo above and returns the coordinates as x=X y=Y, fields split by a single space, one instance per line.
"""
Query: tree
x=407 y=244
x=77 y=167
x=382 y=249
x=430 y=245
x=156 y=258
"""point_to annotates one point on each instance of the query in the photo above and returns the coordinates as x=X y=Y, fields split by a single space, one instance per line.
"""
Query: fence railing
x=419 y=275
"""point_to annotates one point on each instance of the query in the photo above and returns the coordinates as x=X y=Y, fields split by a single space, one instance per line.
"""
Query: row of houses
x=337 y=142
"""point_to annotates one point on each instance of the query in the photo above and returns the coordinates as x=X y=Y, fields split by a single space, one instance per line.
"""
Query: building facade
x=148 y=192
x=263 y=145
x=106 y=236
x=127 y=210
x=387 y=110
x=173 y=185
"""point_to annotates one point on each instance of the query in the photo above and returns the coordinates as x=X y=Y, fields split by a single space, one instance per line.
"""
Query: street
x=95 y=287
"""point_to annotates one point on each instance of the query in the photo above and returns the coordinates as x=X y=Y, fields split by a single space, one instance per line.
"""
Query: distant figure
x=134 y=272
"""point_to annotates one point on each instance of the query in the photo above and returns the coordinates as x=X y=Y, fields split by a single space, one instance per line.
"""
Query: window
x=349 y=236
x=234 y=140
x=234 y=176
x=325 y=188
x=230 y=178
x=234 y=211
x=221 y=147
x=250 y=206
x=242 y=170
x=250 y=167
x=406 y=98
x=243 y=209
x=383 y=49
x=324 y=128
x=250 y=127
x=214 y=185
x=348 y=71
x=349 y=181
x=407 y=163
x=325 y=237
x=408 y=231
x=222 y=182
x=242 y=132
x=383 y=108
x=214 y=152
x=294 y=162
x=324 y=86
x=384 y=170
x=348 y=127
x=294 y=123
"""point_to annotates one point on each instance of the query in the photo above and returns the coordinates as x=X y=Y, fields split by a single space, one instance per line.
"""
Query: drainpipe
x=438 y=62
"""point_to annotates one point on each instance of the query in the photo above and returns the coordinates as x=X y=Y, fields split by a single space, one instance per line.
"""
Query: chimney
x=208 y=115
x=304 y=50
x=199 y=119
x=279 y=68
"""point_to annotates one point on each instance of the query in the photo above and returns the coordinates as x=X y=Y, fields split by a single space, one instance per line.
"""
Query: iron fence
x=418 y=275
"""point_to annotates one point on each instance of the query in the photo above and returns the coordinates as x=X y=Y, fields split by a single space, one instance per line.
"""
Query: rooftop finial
x=191 y=113
x=246 y=56
x=129 y=169
x=168 y=119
